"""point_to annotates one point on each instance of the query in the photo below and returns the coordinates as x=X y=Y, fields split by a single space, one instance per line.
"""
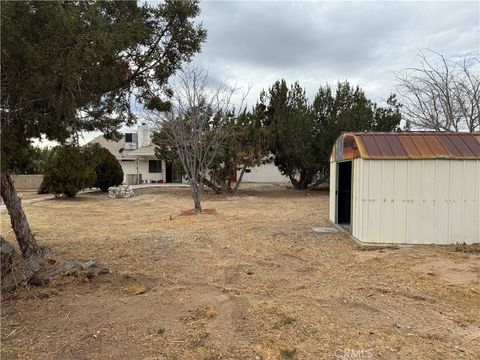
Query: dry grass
x=252 y=280
x=26 y=195
x=136 y=289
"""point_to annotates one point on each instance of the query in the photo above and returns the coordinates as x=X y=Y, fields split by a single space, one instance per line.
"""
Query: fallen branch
x=40 y=272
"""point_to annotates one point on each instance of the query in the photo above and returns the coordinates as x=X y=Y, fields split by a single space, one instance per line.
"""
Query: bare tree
x=441 y=94
x=198 y=124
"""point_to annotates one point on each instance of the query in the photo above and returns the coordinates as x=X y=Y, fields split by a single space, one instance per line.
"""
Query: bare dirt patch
x=251 y=281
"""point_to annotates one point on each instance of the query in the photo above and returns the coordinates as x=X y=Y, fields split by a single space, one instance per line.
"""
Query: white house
x=407 y=188
x=136 y=155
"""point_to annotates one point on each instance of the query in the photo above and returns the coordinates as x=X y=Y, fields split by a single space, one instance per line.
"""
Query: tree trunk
x=212 y=186
x=305 y=179
x=293 y=180
x=7 y=256
x=195 y=187
x=26 y=240
x=239 y=180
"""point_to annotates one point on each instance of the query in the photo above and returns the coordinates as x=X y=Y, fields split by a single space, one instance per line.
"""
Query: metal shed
x=407 y=188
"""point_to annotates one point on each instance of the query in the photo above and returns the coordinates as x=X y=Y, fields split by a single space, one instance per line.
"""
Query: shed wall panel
x=374 y=199
x=471 y=203
x=333 y=188
x=416 y=201
x=441 y=214
x=356 y=197
x=364 y=197
x=455 y=201
x=400 y=207
x=427 y=219
x=388 y=202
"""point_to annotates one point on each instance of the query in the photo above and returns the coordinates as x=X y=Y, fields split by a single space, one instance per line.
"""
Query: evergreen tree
x=69 y=172
x=72 y=66
x=246 y=147
x=302 y=135
x=107 y=169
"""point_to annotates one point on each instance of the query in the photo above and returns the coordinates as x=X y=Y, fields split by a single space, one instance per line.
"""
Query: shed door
x=344 y=193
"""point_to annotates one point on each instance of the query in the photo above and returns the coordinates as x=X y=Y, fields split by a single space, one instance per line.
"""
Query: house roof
x=407 y=145
x=115 y=147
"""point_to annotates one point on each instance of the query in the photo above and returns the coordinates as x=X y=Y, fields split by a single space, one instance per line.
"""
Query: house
x=407 y=188
x=136 y=155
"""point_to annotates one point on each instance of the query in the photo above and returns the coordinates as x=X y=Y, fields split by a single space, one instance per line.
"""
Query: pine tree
x=73 y=66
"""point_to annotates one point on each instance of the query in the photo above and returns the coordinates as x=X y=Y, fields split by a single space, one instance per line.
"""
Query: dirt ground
x=250 y=282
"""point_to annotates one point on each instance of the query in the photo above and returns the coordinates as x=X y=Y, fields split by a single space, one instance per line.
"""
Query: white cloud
x=256 y=43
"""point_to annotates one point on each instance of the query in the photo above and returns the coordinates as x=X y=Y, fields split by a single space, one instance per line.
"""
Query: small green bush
x=107 y=168
x=68 y=171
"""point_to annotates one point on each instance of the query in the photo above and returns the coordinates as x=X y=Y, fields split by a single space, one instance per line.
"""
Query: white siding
x=266 y=173
x=333 y=187
x=357 y=191
x=414 y=201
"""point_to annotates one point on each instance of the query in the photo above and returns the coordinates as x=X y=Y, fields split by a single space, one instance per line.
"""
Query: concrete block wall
x=27 y=182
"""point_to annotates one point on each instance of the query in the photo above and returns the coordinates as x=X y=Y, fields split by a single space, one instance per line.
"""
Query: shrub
x=107 y=168
x=68 y=171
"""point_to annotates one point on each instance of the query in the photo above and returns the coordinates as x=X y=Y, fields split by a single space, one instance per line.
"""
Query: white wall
x=266 y=173
x=416 y=201
x=144 y=136
x=333 y=189
x=130 y=167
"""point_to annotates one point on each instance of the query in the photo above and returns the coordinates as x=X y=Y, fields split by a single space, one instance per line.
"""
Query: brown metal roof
x=408 y=145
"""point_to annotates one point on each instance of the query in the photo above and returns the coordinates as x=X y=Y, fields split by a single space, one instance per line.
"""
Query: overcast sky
x=254 y=43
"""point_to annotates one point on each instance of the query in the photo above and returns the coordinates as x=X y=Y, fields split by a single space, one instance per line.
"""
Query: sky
x=315 y=42
x=254 y=43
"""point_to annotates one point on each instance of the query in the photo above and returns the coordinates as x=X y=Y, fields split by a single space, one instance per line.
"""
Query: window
x=131 y=140
x=155 y=166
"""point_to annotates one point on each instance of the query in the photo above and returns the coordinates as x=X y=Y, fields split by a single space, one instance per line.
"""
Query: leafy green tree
x=41 y=157
x=165 y=149
x=106 y=167
x=348 y=109
x=303 y=134
x=69 y=172
x=245 y=147
x=293 y=134
x=73 y=66
x=30 y=160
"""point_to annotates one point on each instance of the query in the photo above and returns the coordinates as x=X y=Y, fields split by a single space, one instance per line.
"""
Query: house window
x=155 y=166
x=129 y=137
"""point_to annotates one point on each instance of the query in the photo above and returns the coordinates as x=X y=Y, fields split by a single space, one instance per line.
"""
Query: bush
x=107 y=168
x=68 y=172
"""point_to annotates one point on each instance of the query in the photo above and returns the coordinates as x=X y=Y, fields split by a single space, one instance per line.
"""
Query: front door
x=176 y=177
x=344 y=193
x=168 y=172
x=172 y=175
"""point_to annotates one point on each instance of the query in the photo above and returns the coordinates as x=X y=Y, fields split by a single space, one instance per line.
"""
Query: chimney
x=143 y=136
